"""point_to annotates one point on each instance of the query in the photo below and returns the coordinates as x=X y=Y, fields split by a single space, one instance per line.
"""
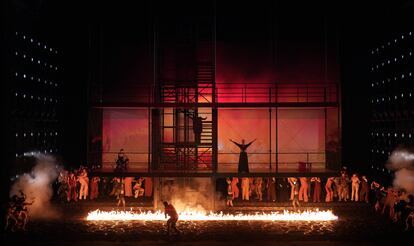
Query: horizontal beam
x=217 y=105
x=328 y=173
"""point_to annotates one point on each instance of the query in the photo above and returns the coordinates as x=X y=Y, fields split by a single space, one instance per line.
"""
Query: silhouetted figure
x=172 y=213
x=198 y=127
x=243 y=161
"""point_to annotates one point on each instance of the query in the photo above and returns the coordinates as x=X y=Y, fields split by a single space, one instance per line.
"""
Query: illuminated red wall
x=127 y=129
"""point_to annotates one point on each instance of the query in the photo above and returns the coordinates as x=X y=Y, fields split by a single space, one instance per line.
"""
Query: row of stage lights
x=380 y=169
x=36 y=61
x=403 y=135
x=33 y=134
x=33 y=153
x=384 y=81
x=32 y=97
x=395 y=41
x=33 y=78
x=39 y=44
x=395 y=97
x=394 y=60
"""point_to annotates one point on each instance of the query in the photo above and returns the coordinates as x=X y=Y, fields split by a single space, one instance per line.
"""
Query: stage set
x=192 y=118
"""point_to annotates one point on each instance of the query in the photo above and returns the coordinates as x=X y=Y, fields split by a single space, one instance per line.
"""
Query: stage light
x=24 y=95
x=31 y=40
x=38 y=61
x=38 y=43
x=372 y=85
x=395 y=40
x=24 y=134
x=395 y=59
x=24 y=36
x=409 y=33
x=402 y=56
x=402 y=76
x=45 y=47
x=16 y=74
x=38 y=79
x=16 y=94
x=16 y=33
x=372 y=52
x=409 y=74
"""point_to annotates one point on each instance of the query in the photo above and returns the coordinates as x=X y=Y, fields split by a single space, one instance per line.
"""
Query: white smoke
x=37 y=185
x=402 y=162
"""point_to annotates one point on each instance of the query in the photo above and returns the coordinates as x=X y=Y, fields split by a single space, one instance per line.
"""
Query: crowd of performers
x=78 y=185
x=397 y=204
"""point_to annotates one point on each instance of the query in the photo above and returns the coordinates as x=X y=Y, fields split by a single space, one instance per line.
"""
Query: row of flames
x=190 y=215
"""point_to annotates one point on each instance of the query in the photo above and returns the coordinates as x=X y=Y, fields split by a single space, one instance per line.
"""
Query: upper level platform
x=225 y=95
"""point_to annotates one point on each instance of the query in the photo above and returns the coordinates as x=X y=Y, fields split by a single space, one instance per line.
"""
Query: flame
x=192 y=215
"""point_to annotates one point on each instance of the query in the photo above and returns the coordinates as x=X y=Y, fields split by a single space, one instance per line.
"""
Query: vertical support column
x=270 y=138
x=276 y=144
x=156 y=139
x=214 y=158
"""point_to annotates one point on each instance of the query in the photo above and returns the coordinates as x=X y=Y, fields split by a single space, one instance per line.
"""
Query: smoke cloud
x=37 y=185
x=402 y=162
x=190 y=194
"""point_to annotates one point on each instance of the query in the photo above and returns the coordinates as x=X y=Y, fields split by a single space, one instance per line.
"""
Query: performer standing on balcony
x=243 y=161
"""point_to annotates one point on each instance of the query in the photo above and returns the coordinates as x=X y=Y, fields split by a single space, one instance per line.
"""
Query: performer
x=72 y=187
x=292 y=187
x=243 y=161
x=316 y=189
x=234 y=187
x=245 y=188
x=329 y=191
x=355 y=187
x=198 y=127
x=229 y=200
x=172 y=213
x=295 y=201
x=271 y=189
x=303 y=191
x=84 y=182
x=258 y=188
x=148 y=186
x=128 y=186
x=138 y=190
x=94 y=188
x=364 y=195
x=121 y=161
